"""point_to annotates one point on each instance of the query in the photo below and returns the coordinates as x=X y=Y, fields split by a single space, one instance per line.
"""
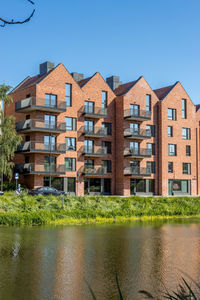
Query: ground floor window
x=67 y=184
x=177 y=186
x=142 y=186
x=97 y=186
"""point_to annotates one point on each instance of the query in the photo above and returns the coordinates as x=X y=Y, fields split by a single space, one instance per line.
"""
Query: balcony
x=94 y=112
x=31 y=125
x=137 y=172
x=94 y=171
x=137 y=115
x=137 y=153
x=137 y=134
x=39 y=147
x=33 y=103
x=94 y=131
x=37 y=169
x=96 y=151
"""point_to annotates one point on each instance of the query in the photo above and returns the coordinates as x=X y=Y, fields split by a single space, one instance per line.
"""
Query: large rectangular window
x=104 y=100
x=148 y=103
x=70 y=143
x=50 y=100
x=184 y=112
x=68 y=94
x=172 y=150
x=186 y=135
x=70 y=123
x=89 y=107
x=171 y=114
x=187 y=168
x=70 y=164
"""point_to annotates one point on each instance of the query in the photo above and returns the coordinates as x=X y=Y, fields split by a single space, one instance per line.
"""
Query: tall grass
x=32 y=210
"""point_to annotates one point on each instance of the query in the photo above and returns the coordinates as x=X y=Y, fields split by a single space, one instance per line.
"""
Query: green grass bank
x=41 y=210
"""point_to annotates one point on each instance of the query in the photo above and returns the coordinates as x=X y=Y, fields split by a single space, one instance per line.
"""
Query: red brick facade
x=139 y=155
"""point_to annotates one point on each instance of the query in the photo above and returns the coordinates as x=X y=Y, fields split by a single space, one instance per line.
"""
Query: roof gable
x=163 y=92
x=124 y=88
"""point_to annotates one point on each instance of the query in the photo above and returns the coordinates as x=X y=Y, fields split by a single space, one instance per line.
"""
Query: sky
x=159 y=39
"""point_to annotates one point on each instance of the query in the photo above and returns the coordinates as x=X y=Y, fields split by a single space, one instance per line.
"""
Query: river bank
x=42 y=210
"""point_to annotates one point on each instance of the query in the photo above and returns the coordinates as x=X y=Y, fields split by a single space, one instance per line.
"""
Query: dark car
x=46 y=191
x=1 y=193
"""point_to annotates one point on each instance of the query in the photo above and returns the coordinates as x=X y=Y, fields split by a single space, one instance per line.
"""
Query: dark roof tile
x=162 y=92
x=124 y=88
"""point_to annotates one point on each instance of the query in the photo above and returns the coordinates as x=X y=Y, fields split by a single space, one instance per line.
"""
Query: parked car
x=1 y=193
x=46 y=191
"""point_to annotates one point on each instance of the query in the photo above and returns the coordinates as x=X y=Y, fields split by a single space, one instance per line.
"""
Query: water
x=53 y=263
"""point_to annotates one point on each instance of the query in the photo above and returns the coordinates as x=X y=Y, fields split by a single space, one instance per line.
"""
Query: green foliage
x=9 y=140
x=24 y=209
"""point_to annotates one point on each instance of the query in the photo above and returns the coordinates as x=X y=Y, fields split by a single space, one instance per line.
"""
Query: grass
x=39 y=210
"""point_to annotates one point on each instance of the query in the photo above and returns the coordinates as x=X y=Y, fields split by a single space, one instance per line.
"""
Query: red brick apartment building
x=91 y=136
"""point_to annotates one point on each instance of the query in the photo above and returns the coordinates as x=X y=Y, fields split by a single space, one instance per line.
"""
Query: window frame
x=173 y=116
x=187 y=171
x=72 y=164
x=68 y=97
x=175 y=148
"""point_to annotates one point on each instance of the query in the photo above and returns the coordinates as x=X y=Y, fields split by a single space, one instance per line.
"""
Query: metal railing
x=31 y=124
x=96 y=150
x=96 y=111
x=40 y=103
x=94 y=171
x=137 y=171
x=145 y=133
x=94 y=131
x=32 y=168
x=137 y=113
x=143 y=152
x=39 y=146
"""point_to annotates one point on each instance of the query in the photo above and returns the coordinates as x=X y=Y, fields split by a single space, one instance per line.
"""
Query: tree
x=12 y=22
x=9 y=140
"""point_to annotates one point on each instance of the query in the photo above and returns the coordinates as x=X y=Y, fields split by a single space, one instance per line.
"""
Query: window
x=108 y=146
x=89 y=164
x=151 y=129
x=170 y=131
x=108 y=126
x=134 y=128
x=186 y=134
x=70 y=143
x=89 y=107
x=27 y=159
x=188 y=150
x=170 y=167
x=108 y=165
x=148 y=103
x=104 y=100
x=49 y=164
x=89 y=146
x=50 y=100
x=151 y=166
x=134 y=109
x=186 y=168
x=49 y=143
x=70 y=123
x=184 y=109
x=50 y=121
x=151 y=146
x=68 y=94
x=171 y=150
x=171 y=114
x=70 y=164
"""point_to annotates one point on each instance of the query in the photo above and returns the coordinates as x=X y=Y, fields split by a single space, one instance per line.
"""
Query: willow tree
x=9 y=140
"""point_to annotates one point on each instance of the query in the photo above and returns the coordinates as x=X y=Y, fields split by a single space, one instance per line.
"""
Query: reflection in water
x=52 y=263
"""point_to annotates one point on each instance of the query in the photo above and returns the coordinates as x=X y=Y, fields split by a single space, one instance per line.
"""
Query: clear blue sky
x=159 y=39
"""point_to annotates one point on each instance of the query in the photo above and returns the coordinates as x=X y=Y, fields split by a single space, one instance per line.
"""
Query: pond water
x=52 y=263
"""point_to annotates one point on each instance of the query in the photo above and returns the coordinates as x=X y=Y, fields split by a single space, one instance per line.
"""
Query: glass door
x=49 y=164
x=50 y=100
x=135 y=147
x=89 y=107
x=49 y=143
x=50 y=121
x=135 y=166
x=89 y=146
x=89 y=126
x=134 y=109
x=134 y=128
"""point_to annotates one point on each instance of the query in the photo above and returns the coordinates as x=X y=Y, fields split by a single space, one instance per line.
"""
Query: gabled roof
x=124 y=88
x=163 y=92
x=84 y=81
x=29 y=81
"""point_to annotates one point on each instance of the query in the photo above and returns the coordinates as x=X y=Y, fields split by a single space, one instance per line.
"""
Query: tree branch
x=12 y=22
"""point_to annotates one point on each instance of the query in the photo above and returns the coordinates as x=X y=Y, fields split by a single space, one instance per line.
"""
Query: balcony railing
x=137 y=152
x=94 y=131
x=97 y=151
x=137 y=171
x=94 y=112
x=39 y=125
x=137 y=134
x=94 y=171
x=137 y=114
x=39 y=147
x=33 y=103
x=45 y=169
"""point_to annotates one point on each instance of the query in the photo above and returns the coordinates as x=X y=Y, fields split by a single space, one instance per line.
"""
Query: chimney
x=77 y=76
x=46 y=67
x=113 y=82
